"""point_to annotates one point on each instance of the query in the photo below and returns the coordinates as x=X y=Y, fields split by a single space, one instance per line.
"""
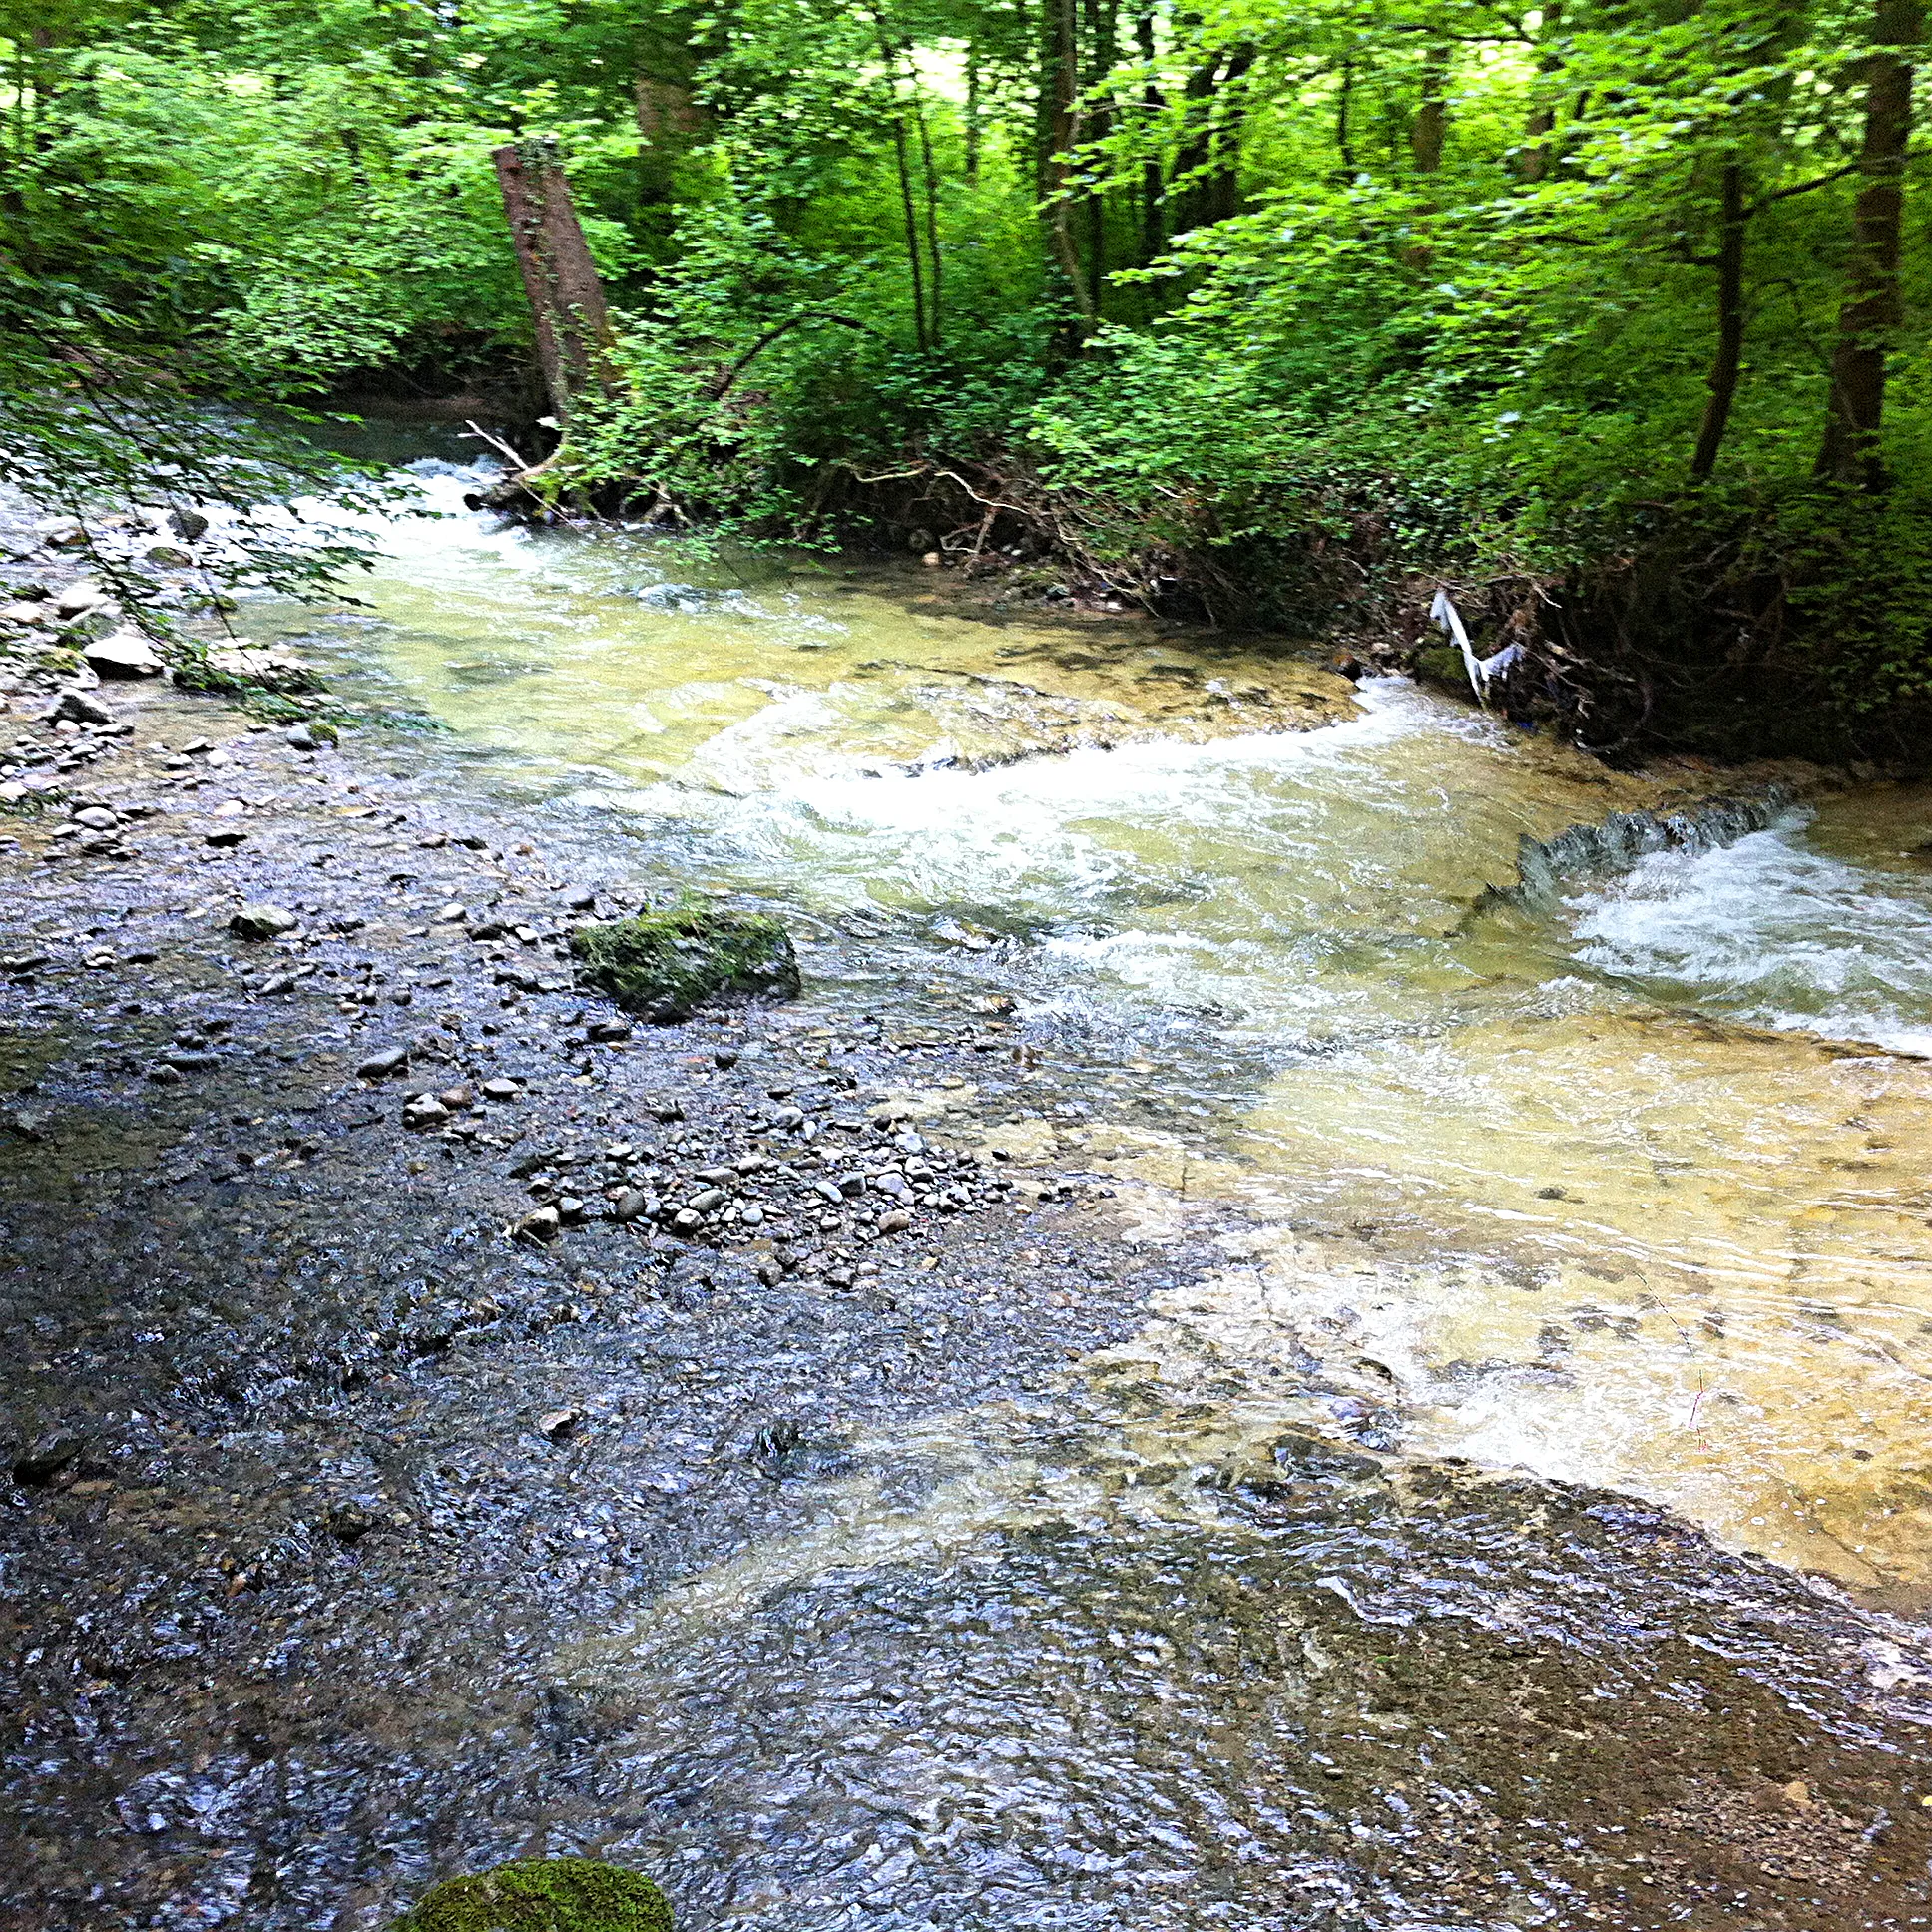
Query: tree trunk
x=931 y=173
x=1059 y=94
x=1152 y=235
x=1729 y=358
x=911 y=231
x=668 y=121
x=1869 y=316
x=1431 y=124
x=1536 y=157
x=1344 y=139
x=566 y=297
x=972 y=111
x=1097 y=120
x=1211 y=149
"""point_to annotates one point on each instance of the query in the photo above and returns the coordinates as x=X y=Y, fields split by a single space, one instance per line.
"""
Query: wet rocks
x=46 y=1456
x=665 y=964
x=82 y=708
x=263 y=922
x=351 y=1518
x=123 y=654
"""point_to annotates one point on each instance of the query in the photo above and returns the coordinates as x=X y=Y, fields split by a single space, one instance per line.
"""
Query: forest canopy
x=1609 y=314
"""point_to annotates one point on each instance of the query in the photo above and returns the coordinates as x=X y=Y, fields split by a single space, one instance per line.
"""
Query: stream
x=1247 y=1619
x=1580 y=1181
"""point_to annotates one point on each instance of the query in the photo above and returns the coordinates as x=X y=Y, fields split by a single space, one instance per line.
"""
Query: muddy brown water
x=1431 y=1434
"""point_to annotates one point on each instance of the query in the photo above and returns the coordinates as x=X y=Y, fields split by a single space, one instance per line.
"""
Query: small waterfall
x=1614 y=844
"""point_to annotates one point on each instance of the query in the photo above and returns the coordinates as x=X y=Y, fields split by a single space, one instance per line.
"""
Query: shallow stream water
x=1626 y=1186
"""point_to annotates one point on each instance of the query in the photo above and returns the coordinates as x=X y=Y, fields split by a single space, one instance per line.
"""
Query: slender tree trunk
x=972 y=111
x=1152 y=233
x=1431 y=124
x=1536 y=156
x=1222 y=191
x=932 y=209
x=1061 y=94
x=1344 y=139
x=1729 y=359
x=1869 y=316
x=566 y=297
x=911 y=231
x=1100 y=29
x=670 y=121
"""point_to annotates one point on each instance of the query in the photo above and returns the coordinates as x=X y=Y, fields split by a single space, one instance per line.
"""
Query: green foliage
x=1319 y=299
x=542 y=1895
x=665 y=964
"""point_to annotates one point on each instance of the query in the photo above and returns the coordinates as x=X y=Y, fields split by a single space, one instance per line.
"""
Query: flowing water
x=1624 y=1184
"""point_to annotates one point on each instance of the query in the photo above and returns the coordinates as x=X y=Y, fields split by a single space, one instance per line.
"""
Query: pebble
x=559 y=1423
x=895 y=1221
x=123 y=654
x=540 y=1227
x=97 y=818
x=635 y=1204
x=352 y=1519
x=83 y=707
x=46 y=1456
x=501 y=1089
x=611 y=1029
x=300 y=739
x=708 y=1202
x=424 y=1112
x=263 y=922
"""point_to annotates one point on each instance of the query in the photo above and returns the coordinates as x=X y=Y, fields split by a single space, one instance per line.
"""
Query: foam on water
x=1773 y=931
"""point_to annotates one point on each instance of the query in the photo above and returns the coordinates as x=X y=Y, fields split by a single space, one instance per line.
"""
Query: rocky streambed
x=852 y=1459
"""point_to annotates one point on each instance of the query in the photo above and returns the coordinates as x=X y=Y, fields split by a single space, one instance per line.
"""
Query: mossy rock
x=542 y=1895
x=663 y=964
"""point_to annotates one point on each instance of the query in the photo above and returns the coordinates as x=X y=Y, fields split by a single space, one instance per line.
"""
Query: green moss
x=542 y=1895
x=663 y=964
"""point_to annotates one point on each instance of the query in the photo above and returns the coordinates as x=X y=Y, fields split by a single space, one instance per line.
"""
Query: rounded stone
x=542 y=1895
